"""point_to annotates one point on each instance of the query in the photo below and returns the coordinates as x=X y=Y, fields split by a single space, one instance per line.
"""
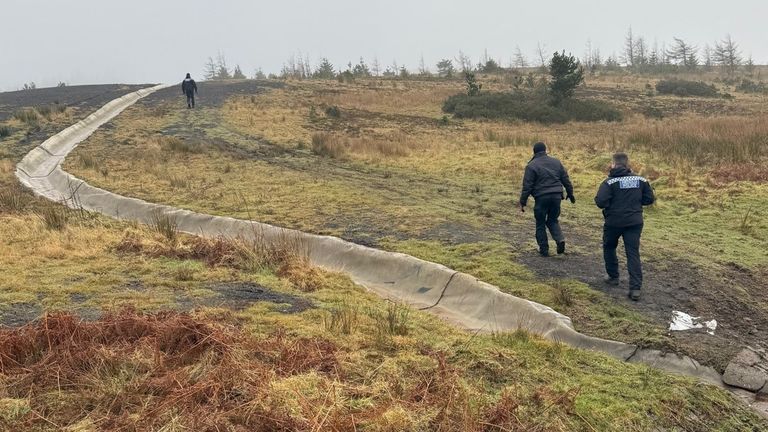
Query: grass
x=447 y=199
x=339 y=147
x=165 y=224
x=708 y=141
x=457 y=183
x=383 y=367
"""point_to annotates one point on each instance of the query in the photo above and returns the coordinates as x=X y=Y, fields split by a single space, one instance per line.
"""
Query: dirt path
x=676 y=285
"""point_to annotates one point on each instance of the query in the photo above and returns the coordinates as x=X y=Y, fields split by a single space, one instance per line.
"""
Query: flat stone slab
x=748 y=370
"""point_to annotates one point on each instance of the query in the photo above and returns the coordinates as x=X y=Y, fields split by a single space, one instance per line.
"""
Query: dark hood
x=620 y=172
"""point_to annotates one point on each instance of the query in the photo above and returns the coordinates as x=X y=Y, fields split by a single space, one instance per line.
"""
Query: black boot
x=609 y=280
x=561 y=247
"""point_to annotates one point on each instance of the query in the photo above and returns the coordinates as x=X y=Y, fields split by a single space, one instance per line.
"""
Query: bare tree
x=628 y=56
x=376 y=67
x=520 y=60
x=727 y=54
x=423 y=69
x=210 y=72
x=464 y=62
x=540 y=50
x=641 y=52
x=707 y=52
x=222 y=71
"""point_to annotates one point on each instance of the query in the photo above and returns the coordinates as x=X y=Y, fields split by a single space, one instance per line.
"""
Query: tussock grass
x=177 y=145
x=27 y=116
x=13 y=199
x=87 y=161
x=394 y=320
x=340 y=147
x=54 y=216
x=708 y=141
x=5 y=131
x=165 y=224
x=343 y=319
x=285 y=253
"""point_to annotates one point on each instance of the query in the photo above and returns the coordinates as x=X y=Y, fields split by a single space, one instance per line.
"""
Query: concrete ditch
x=454 y=296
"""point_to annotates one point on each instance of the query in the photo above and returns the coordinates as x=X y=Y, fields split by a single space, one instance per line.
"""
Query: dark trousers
x=546 y=211
x=191 y=99
x=631 y=236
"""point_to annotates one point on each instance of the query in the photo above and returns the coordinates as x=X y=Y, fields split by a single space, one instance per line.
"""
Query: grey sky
x=106 y=41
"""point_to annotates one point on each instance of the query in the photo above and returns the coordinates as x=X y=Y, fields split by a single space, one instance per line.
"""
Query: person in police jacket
x=622 y=197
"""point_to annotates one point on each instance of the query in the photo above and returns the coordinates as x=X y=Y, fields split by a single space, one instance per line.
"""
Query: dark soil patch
x=240 y=295
x=674 y=285
x=85 y=98
x=18 y=314
x=211 y=94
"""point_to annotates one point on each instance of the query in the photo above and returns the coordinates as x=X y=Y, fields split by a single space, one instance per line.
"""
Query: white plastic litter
x=681 y=321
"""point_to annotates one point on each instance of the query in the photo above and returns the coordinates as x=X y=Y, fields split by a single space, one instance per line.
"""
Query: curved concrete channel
x=454 y=296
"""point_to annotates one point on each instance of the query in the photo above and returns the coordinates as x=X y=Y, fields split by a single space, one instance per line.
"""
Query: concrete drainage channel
x=457 y=297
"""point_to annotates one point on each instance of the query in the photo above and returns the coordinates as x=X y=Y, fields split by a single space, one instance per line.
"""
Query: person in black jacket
x=189 y=88
x=622 y=197
x=544 y=179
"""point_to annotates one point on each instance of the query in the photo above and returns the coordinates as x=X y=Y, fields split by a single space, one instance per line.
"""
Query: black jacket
x=622 y=197
x=545 y=175
x=188 y=86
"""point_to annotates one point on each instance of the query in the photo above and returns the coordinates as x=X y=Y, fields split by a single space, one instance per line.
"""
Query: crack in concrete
x=442 y=293
x=637 y=350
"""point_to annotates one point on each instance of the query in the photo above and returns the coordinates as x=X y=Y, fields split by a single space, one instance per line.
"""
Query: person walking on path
x=189 y=88
x=544 y=179
x=621 y=197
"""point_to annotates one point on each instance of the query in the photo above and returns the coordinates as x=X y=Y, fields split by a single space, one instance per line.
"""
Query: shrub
x=679 y=87
x=333 y=111
x=528 y=107
x=5 y=131
x=749 y=86
x=28 y=116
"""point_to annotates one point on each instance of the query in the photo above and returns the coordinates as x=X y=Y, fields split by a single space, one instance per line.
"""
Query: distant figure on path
x=622 y=197
x=189 y=88
x=544 y=179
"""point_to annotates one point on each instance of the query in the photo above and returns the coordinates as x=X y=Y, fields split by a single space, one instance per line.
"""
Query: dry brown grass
x=706 y=140
x=129 y=371
x=239 y=253
x=340 y=147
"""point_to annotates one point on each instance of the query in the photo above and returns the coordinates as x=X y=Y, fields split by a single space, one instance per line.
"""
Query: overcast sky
x=138 y=41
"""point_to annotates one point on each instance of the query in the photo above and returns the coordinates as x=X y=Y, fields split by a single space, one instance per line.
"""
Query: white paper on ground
x=682 y=321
